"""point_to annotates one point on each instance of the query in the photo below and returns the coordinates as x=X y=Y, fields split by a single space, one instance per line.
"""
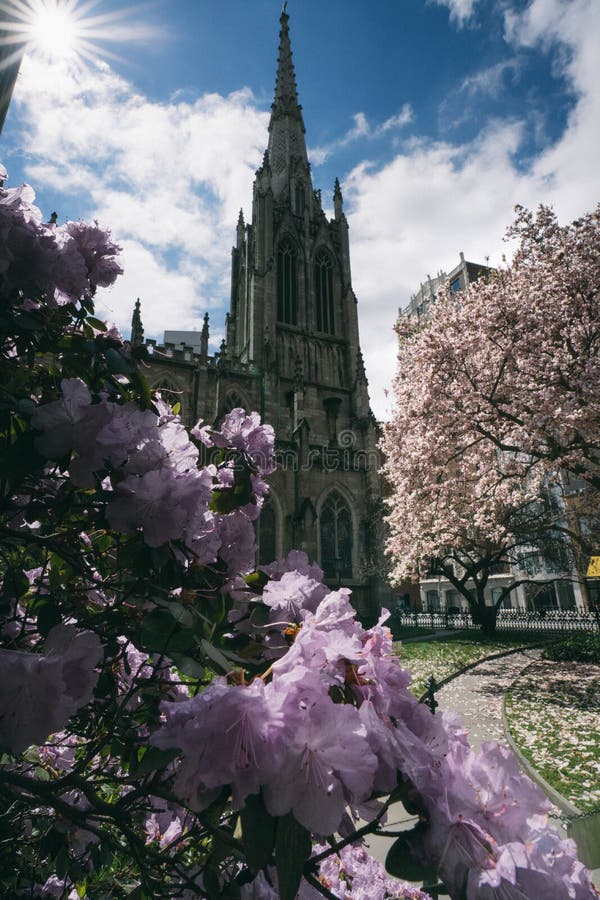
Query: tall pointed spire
x=286 y=128
x=286 y=92
x=137 y=329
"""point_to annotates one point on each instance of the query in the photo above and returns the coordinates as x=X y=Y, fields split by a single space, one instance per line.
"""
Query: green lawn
x=446 y=655
x=553 y=713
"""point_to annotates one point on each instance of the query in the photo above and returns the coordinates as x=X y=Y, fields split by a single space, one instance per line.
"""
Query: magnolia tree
x=173 y=723
x=497 y=401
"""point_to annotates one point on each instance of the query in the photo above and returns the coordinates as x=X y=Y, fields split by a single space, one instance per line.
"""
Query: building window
x=455 y=285
x=433 y=601
x=454 y=602
x=299 y=198
x=266 y=535
x=287 y=284
x=336 y=537
x=324 y=293
x=234 y=401
x=566 y=595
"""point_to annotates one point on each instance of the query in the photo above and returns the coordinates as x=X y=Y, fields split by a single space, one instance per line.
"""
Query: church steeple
x=287 y=146
x=137 y=329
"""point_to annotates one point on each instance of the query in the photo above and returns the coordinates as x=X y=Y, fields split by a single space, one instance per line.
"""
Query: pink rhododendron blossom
x=41 y=692
x=158 y=502
x=58 y=753
x=293 y=595
x=227 y=735
x=57 y=887
x=238 y=542
x=166 y=824
x=295 y=561
x=327 y=762
x=355 y=875
x=245 y=432
x=60 y=419
x=97 y=252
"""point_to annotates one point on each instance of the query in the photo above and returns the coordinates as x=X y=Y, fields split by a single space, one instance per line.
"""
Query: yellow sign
x=594 y=567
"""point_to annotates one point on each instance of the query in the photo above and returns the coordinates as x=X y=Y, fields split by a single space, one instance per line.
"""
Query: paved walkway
x=477 y=695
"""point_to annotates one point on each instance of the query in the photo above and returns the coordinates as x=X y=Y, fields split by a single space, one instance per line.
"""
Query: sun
x=53 y=29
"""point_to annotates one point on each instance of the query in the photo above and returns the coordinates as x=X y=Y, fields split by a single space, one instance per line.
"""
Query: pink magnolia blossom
x=496 y=393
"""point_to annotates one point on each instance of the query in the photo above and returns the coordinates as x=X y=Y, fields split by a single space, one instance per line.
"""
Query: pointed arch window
x=287 y=284
x=335 y=523
x=324 y=293
x=233 y=401
x=266 y=534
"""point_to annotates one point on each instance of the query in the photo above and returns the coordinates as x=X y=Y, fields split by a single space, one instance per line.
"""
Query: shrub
x=580 y=647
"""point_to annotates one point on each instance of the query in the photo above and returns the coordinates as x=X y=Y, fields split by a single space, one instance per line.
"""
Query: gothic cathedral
x=292 y=353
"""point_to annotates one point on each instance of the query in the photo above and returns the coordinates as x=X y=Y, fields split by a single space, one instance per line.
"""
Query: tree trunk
x=485 y=616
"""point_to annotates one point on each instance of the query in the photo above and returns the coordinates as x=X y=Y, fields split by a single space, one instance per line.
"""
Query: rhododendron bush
x=173 y=723
x=497 y=405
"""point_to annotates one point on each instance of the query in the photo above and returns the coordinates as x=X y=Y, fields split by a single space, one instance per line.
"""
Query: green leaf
x=141 y=385
x=98 y=324
x=401 y=861
x=256 y=580
x=182 y=615
x=102 y=542
x=62 y=862
x=412 y=801
x=293 y=846
x=157 y=626
x=26 y=406
x=187 y=665
x=258 y=833
x=217 y=657
x=154 y=759
x=16 y=583
x=260 y=614
x=211 y=884
x=48 y=616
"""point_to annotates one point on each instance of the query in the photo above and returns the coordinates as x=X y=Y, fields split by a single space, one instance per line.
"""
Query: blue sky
x=436 y=115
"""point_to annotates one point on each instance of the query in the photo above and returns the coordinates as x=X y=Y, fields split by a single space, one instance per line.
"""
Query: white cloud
x=168 y=178
x=401 y=119
x=460 y=10
x=490 y=80
x=568 y=170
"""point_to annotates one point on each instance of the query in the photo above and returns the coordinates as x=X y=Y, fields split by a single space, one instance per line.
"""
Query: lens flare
x=72 y=31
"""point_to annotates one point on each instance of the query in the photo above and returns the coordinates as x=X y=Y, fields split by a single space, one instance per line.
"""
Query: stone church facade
x=292 y=353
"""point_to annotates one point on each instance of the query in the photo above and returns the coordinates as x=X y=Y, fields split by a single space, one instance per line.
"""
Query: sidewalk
x=477 y=695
